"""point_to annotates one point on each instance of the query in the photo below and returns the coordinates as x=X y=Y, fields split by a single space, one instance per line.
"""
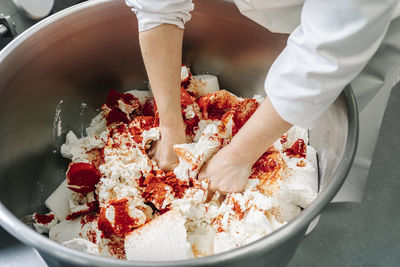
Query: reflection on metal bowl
x=78 y=54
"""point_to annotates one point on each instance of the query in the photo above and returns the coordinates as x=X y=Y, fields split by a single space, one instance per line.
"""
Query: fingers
x=203 y=173
x=210 y=195
x=152 y=150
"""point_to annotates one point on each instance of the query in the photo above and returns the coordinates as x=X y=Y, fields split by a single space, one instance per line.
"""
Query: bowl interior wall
x=78 y=59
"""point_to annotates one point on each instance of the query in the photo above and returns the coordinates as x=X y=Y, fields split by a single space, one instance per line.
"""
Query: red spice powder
x=116 y=247
x=237 y=209
x=185 y=83
x=265 y=163
x=191 y=124
x=268 y=167
x=82 y=177
x=139 y=125
x=297 y=150
x=215 y=105
x=91 y=207
x=155 y=193
x=155 y=185
x=179 y=187
x=242 y=111
x=186 y=99
x=43 y=218
x=123 y=222
x=301 y=163
x=96 y=156
x=88 y=218
x=284 y=138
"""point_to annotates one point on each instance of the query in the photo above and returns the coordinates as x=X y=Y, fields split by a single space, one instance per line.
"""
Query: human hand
x=227 y=172
x=162 y=151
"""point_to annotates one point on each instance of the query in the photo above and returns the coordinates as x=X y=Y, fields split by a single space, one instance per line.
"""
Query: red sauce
x=123 y=222
x=82 y=177
x=297 y=150
x=43 y=218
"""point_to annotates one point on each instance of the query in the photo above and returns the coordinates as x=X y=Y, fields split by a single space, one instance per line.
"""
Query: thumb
x=203 y=173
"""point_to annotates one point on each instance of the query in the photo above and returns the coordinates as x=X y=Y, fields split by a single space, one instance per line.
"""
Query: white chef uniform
x=331 y=44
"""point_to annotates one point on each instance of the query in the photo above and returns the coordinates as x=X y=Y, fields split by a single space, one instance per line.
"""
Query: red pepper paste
x=149 y=108
x=43 y=218
x=112 y=98
x=297 y=150
x=82 y=177
x=116 y=115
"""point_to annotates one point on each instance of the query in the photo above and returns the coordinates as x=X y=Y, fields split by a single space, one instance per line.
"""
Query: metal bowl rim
x=42 y=243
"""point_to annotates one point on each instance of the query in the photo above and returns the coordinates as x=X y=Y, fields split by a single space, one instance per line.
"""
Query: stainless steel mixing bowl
x=78 y=54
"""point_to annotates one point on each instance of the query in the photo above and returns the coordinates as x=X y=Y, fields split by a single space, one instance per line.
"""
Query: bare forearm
x=162 y=54
x=259 y=132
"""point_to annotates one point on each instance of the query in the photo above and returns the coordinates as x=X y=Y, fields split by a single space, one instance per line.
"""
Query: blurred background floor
x=348 y=234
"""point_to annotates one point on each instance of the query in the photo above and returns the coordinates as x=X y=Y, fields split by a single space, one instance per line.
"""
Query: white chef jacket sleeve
x=152 y=13
x=331 y=46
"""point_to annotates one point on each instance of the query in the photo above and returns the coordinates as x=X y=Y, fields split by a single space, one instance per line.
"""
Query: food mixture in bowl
x=115 y=202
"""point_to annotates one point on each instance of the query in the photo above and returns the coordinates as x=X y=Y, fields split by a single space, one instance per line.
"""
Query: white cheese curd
x=171 y=212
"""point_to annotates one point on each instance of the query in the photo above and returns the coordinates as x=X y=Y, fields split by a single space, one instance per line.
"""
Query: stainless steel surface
x=69 y=57
x=3 y=30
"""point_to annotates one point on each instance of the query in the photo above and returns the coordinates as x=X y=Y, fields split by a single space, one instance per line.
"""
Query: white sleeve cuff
x=325 y=53
x=152 y=13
